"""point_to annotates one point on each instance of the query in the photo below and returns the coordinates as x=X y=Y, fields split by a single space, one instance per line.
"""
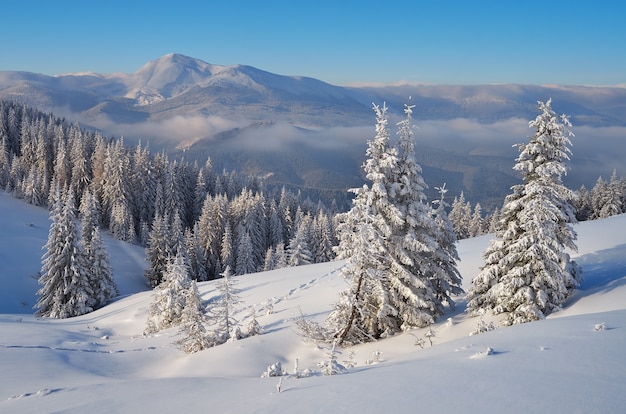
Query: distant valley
x=304 y=133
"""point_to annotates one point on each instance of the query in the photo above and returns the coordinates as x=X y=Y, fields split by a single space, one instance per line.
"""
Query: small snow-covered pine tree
x=280 y=256
x=222 y=310
x=193 y=323
x=169 y=297
x=227 y=254
x=268 y=262
x=254 y=327
x=460 y=216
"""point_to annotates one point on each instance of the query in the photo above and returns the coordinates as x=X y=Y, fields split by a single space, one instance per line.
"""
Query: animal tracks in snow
x=41 y=393
x=65 y=349
x=267 y=307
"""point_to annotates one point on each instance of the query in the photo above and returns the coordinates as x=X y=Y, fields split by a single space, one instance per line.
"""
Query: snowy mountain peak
x=168 y=76
x=174 y=68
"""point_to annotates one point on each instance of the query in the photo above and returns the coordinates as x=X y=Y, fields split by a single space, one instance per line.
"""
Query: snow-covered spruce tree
x=446 y=256
x=5 y=160
x=169 y=297
x=227 y=254
x=197 y=261
x=298 y=250
x=99 y=271
x=606 y=197
x=422 y=278
x=268 y=262
x=254 y=327
x=116 y=196
x=356 y=313
x=99 y=268
x=193 y=323
x=460 y=216
x=221 y=310
x=362 y=312
x=477 y=223
x=159 y=250
x=527 y=273
x=280 y=256
x=322 y=245
x=143 y=186
x=65 y=290
x=245 y=254
x=399 y=275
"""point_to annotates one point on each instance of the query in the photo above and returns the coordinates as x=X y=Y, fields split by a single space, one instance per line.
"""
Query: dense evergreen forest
x=215 y=219
x=222 y=218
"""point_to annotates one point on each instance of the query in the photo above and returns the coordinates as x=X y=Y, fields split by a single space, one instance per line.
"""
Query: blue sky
x=340 y=42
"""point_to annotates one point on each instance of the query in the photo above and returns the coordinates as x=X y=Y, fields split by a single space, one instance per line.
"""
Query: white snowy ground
x=101 y=362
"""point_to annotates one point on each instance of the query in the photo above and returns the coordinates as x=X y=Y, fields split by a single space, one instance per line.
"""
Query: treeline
x=219 y=219
x=605 y=199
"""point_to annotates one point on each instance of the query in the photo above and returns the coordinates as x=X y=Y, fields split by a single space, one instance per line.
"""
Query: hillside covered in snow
x=102 y=362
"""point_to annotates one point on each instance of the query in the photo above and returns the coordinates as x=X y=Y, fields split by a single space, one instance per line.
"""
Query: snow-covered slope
x=23 y=233
x=573 y=362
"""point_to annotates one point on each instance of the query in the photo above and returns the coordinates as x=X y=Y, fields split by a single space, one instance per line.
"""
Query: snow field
x=102 y=363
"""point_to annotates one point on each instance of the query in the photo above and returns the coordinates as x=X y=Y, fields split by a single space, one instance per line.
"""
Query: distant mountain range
x=307 y=133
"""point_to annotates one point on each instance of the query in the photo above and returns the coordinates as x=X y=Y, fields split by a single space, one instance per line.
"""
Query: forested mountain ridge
x=218 y=219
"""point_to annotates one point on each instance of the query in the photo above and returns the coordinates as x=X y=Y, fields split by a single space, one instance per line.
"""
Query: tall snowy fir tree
x=116 y=195
x=227 y=254
x=159 y=250
x=390 y=241
x=420 y=285
x=362 y=312
x=245 y=255
x=99 y=268
x=298 y=250
x=99 y=272
x=356 y=313
x=197 y=261
x=322 y=240
x=446 y=256
x=65 y=290
x=527 y=273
